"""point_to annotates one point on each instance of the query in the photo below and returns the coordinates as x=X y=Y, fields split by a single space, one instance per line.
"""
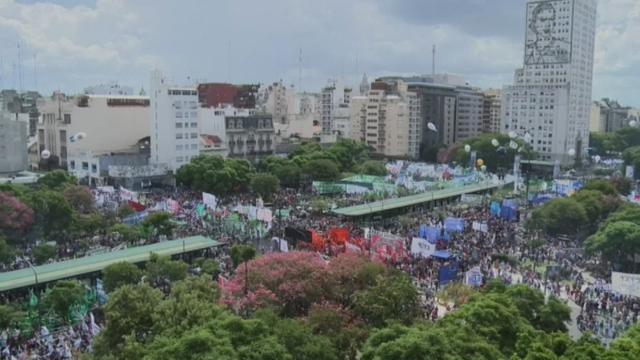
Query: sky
x=71 y=44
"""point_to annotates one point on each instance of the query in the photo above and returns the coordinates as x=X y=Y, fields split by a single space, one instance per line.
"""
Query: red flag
x=136 y=205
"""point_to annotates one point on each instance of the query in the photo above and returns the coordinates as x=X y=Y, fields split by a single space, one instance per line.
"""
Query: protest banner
x=422 y=247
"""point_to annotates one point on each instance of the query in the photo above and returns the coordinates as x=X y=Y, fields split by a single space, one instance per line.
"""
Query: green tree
x=160 y=223
x=43 y=252
x=63 y=296
x=392 y=298
x=265 y=185
x=128 y=234
x=372 y=167
x=617 y=242
x=622 y=185
x=490 y=154
x=130 y=311
x=349 y=153
x=80 y=198
x=125 y=210
x=57 y=180
x=288 y=174
x=207 y=173
x=9 y=316
x=603 y=186
x=54 y=215
x=120 y=274
x=322 y=170
x=631 y=157
x=592 y=203
x=244 y=171
x=560 y=216
x=7 y=253
x=241 y=253
x=161 y=268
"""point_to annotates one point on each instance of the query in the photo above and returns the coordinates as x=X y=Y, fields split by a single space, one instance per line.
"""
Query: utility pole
x=433 y=60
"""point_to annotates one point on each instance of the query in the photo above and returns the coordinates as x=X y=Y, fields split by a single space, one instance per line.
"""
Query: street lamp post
x=35 y=272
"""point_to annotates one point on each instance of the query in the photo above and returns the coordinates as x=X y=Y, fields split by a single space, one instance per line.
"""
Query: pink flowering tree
x=16 y=218
x=287 y=282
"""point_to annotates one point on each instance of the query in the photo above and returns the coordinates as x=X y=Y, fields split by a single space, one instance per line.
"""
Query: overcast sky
x=75 y=43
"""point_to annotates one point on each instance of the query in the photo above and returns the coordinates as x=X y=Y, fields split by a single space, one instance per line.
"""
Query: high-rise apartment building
x=469 y=113
x=332 y=97
x=551 y=96
x=175 y=137
x=491 y=111
x=386 y=118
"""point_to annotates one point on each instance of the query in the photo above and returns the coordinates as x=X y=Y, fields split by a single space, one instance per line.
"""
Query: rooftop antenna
x=1 y=73
x=300 y=70
x=229 y=61
x=19 y=68
x=35 y=73
x=433 y=60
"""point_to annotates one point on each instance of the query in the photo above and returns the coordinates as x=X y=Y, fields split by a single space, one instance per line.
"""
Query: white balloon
x=467 y=148
x=513 y=134
x=527 y=137
x=495 y=142
x=597 y=158
x=45 y=154
x=633 y=123
x=81 y=135
x=520 y=149
x=513 y=145
x=432 y=127
x=572 y=152
x=483 y=168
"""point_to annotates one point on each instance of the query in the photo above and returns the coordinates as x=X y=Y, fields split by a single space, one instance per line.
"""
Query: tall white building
x=332 y=97
x=551 y=95
x=175 y=137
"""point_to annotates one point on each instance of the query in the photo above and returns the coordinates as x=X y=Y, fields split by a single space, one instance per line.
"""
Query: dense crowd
x=495 y=252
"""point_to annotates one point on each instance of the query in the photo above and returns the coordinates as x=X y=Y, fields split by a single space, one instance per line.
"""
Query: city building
x=491 y=111
x=108 y=123
x=175 y=137
x=220 y=94
x=212 y=125
x=469 y=113
x=108 y=89
x=609 y=116
x=333 y=97
x=551 y=95
x=21 y=103
x=385 y=117
x=250 y=137
x=13 y=142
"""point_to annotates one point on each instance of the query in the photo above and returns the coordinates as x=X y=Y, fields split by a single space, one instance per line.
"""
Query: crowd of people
x=499 y=251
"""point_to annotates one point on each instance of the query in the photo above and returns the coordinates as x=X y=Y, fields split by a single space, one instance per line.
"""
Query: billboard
x=548 y=33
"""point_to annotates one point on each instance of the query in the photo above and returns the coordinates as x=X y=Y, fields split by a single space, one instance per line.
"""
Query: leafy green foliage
x=559 y=216
x=617 y=242
x=492 y=158
x=57 y=180
x=9 y=316
x=265 y=185
x=161 y=268
x=43 y=252
x=391 y=298
x=241 y=253
x=322 y=170
x=159 y=223
x=120 y=274
x=215 y=175
x=80 y=198
x=63 y=296
x=371 y=167
x=7 y=253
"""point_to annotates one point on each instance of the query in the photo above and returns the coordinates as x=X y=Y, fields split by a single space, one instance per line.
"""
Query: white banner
x=128 y=194
x=210 y=200
x=627 y=284
x=421 y=247
x=477 y=226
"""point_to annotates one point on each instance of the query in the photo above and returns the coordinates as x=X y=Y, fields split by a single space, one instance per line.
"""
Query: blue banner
x=135 y=219
x=447 y=273
x=454 y=224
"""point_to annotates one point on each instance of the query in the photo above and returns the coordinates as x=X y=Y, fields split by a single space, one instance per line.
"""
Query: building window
x=94 y=168
x=178 y=125
x=194 y=135
x=85 y=165
x=194 y=124
x=179 y=136
x=72 y=164
x=194 y=146
x=67 y=118
x=178 y=147
x=179 y=159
